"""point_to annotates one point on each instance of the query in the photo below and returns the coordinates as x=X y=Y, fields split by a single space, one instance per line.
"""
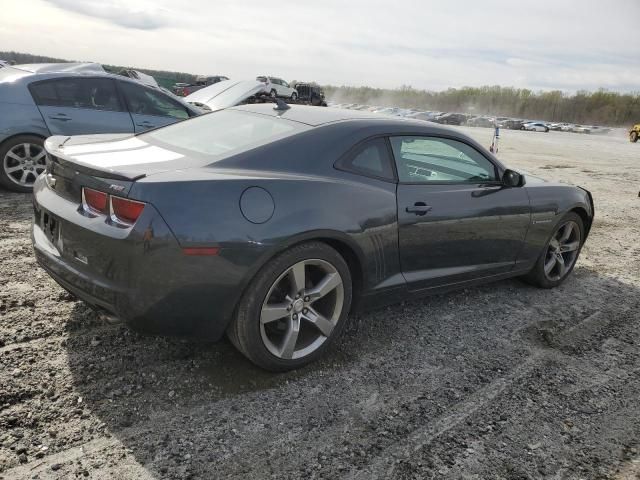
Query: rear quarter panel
x=202 y=211
x=18 y=112
x=18 y=119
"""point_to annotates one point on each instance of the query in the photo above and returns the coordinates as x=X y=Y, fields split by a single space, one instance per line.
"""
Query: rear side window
x=370 y=159
x=89 y=93
x=146 y=101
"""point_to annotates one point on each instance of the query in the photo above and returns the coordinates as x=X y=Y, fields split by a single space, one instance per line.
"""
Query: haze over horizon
x=572 y=45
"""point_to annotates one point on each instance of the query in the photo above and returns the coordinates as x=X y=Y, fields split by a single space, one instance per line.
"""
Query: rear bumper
x=142 y=278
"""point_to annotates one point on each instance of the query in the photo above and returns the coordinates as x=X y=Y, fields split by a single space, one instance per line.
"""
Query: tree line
x=602 y=107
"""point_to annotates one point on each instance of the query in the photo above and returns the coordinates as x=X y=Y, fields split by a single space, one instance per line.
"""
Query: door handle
x=145 y=124
x=60 y=116
x=419 y=208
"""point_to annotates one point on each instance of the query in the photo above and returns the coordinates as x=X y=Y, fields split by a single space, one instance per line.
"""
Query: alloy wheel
x=562 y=251
x=24 y=162
x=301 y=309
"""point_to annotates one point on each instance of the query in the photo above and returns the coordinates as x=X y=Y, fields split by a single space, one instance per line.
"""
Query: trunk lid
x=106 y=162
x=225 y=94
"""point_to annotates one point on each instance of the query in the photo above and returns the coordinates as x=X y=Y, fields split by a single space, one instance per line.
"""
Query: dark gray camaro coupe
x=271 y=224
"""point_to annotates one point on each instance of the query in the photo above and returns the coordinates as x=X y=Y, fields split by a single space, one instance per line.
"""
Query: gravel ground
x=503 y=381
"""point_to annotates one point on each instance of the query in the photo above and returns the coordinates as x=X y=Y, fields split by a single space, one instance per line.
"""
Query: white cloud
x=570 y=45
x=141 y=15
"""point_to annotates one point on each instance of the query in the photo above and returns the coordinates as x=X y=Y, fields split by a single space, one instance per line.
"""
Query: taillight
x=124 y=210
x=120 y=210
x=93 y=200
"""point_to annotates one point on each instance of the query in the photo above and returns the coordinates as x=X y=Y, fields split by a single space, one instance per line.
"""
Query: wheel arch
x=586 y=219
x=339 y=241
x=14 y=135
x=343 y=244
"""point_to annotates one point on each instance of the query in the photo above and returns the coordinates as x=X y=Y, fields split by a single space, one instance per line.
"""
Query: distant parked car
x=310 y=93
x=3 y=63
x=512 y=124
x=387 y=110
x=581 y=129
x=404 y=112
x=426 y=116
x=557 y=126
x=184 y=89
x=535 y=127
x=277 y=87
x=452 y=118
x=481 y=122
x=38 y=101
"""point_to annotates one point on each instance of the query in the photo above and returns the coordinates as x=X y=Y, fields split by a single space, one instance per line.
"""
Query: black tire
x=5 y=148
x=273 y=93
x=294 y=96
x=546 y=130
x=537 y=274
x=522 y=128
x=245 y=329
x=633 y=137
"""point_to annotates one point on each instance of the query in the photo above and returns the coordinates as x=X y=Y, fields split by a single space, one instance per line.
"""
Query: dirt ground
x=503 y=381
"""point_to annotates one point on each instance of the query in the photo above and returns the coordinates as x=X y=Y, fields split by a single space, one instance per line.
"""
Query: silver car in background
x=277 y=87
x=37 y=101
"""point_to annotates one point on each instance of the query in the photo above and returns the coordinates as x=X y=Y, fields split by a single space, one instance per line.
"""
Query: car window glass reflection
x=433 y=159
x=371 y=159
x=144 y=101
x=91 y=93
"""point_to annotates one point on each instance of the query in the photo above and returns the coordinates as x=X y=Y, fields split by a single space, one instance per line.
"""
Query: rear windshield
x=223 y=133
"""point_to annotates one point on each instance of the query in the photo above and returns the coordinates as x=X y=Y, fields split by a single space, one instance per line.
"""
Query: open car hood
x=225 y=94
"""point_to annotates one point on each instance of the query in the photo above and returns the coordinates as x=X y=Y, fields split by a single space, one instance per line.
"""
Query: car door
x=80 y=105
x=286 y=89
x=275 y=85
x=150 y=108
x=456 y=220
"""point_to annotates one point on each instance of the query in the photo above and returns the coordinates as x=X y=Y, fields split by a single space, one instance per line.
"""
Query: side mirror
x=511 y=178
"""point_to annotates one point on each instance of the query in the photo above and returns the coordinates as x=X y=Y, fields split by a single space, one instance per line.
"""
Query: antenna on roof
x=281 y=105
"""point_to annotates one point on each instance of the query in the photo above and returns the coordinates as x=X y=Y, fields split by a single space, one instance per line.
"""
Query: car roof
x=318 y=116
x=60 y=67
x=28 y=73
x=313 y=116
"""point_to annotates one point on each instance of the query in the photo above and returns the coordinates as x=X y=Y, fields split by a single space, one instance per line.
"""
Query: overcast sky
x=544 y=44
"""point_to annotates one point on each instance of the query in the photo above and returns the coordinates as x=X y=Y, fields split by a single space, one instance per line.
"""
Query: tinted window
x=146 y=101
x=370 y=159
x=223 y=132
x=433 y=159
x=93 y=93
